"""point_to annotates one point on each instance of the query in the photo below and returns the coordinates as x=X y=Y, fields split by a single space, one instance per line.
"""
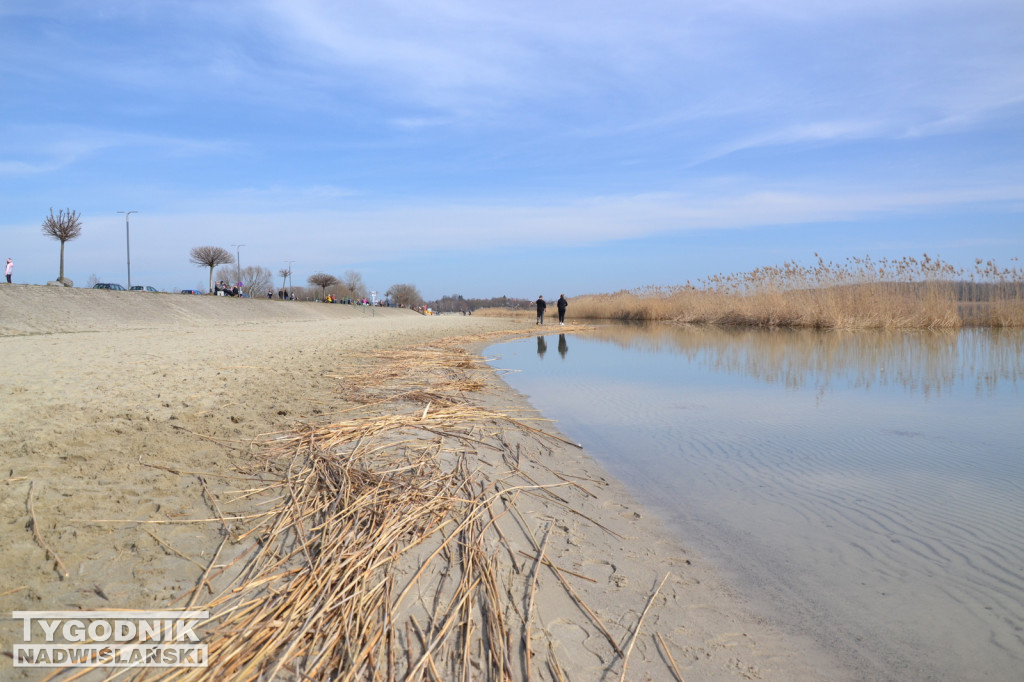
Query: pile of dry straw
x=381 y=554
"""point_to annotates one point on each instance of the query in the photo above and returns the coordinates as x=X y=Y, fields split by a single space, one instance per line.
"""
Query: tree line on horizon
x=66 y=226
x=855 y=292
x=257 y=280
x=457 y=303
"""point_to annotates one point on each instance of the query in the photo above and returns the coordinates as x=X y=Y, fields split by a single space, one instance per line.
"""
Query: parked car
x=108 y=285
x=192 y=291
x=142 y=288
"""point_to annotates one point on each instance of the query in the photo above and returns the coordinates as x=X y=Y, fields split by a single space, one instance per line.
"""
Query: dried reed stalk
x=668 y=654
x=639 y=624
x=59 y=567
x=381 y=536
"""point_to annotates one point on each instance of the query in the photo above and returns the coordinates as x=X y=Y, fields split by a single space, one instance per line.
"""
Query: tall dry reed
x=856 y=293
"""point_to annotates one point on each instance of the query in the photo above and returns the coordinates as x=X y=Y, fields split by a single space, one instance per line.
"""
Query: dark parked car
x=192 y=291
x=108 y=285
x=142 y=288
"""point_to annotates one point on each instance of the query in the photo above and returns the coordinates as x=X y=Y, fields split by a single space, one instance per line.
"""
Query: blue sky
x=509 y=148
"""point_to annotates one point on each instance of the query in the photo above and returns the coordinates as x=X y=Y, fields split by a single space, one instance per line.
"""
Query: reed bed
x=857 y=293
x=382 y=555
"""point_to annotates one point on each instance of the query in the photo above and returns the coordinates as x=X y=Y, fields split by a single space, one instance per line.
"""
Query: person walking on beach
x=562 y=305
x=9 y=270
x=541 y=305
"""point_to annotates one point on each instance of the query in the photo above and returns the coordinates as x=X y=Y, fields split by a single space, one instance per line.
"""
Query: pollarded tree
x=322 y=280
x=63 y=227
x=211 y=257
x=405 y=294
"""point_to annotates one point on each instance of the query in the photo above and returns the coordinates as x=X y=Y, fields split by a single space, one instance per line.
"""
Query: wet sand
x=114 y=405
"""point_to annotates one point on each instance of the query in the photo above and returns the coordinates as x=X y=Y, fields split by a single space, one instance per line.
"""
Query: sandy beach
x=132 y=423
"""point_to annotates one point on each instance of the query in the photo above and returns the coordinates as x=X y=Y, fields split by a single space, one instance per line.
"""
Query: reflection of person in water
x=563 y=347
x=542 y=346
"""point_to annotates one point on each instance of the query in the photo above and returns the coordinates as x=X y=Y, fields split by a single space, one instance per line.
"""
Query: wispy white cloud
x=914 y=67
x=49 y=148
x=431 y=228
x=419 y=122
x=275 y=199
x=873 y=60
x=819 y=132
x=26 y=168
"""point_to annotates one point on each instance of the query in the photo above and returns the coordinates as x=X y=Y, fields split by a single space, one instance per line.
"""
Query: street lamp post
x=128 y=244
x=238 y=265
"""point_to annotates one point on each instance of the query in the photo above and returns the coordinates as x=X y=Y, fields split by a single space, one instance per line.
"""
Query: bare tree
x=322 y=280
x=256 y=278
x=353 y=284
x=284 y=272
x=211 y=257
x=405 y=294
x=63 y=227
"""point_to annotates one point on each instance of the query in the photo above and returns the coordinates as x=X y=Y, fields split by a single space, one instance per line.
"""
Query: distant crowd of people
x=348 y=300
x=224 y=289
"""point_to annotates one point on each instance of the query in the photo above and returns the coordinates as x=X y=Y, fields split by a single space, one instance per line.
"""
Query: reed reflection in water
x=922 y=361
x=865 y=489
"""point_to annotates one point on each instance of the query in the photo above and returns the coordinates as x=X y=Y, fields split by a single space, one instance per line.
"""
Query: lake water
x=865 y=489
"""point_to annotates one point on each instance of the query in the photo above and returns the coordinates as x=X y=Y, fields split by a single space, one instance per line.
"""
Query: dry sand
x=141 y=406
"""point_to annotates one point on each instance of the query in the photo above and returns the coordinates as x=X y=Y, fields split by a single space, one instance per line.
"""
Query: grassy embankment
x=858 y=293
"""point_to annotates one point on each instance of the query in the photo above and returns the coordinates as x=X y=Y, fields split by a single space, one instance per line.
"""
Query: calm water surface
x=863 y=489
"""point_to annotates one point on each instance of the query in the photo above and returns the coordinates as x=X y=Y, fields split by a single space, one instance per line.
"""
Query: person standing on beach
x=541 y=305
x=9 y=270
x=562 y=305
